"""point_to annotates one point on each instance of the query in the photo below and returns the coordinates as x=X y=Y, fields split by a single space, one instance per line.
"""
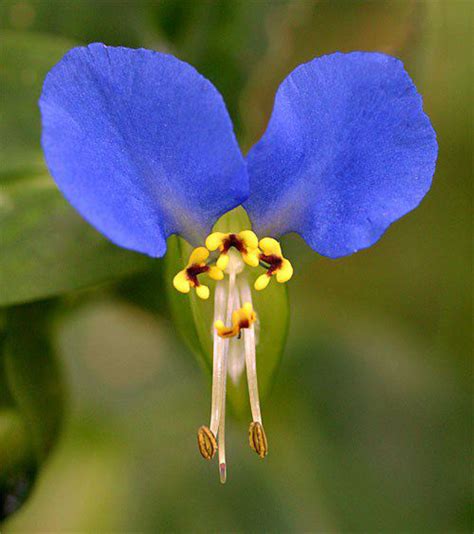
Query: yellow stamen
x=215 y=273
x=277 y=264
x=249 y=238
x=202 y=292
x=214 y=240
x=198 y=255
x=262 y=282
x=251 y=257
x=181 y=282
x=269 y=246
x=246 y=242
x=188 y=277
x=285 y=272
x=223 y=261
x=242 y=318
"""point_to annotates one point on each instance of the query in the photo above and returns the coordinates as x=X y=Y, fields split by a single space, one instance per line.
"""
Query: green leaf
x=33 y=376
x=25 y=59
x=193 y=317
x=15 y=445
x=48 y=249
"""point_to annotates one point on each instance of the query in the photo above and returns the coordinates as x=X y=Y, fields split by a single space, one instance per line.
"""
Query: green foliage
x=48 y=249
x=25 y=59
x=33 y=375
x=32 y=400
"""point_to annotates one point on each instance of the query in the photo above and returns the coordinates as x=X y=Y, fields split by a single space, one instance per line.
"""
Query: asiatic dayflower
x=143 y=147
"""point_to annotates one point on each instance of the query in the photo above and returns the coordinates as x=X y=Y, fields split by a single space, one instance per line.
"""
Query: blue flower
x=143 y=147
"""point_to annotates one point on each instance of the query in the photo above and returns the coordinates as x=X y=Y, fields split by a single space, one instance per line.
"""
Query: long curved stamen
x=221 y=441
x=222 y=386
x=218 y=372
x=257 y=438
x=250 y=358
x=236 y=357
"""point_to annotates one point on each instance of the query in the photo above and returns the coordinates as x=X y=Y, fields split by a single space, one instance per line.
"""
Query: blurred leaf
x=32 y=402
x=194 y=317
x=17 y=462
x=113 y=22
x=48 y=249
x=221 y=39
x=15 y=445
x=300 y=31
x=25 y=59
x=33 y=375
x=146 y=289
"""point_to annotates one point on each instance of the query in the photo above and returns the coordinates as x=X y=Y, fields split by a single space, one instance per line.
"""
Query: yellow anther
x=181 y=282
x=215 y=273
x=262 y=282
x=202 y=292
x=246 y=242
x=198 y=255
x=223 y=261
x=214 y=240
x=249 y=238
x=252 y=258
x=267 y=252
x=270 y=246
x=285 y=272
x=272 y=256
x=242 y=318
x=250 y=252
x=188 y=277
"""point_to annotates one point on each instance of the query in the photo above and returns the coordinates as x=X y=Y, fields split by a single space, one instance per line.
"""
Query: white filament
x=230 y=356
x=236 y=358
x=250 y=358
x=218 y=371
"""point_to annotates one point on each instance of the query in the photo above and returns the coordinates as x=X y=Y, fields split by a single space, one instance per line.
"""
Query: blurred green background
x=370 y=417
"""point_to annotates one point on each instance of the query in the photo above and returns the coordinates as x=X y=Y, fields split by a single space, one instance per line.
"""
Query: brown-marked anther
x=258 y=439
x=207 y=443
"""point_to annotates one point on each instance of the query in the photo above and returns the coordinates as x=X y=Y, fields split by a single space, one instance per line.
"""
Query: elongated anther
x=207 y=443
x=258 y=439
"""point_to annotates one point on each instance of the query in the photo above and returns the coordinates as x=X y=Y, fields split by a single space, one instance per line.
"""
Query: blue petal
x=347 y=152
x=141 y=145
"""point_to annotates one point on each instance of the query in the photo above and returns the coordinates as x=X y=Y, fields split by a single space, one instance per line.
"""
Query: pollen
x=271 y=257
x=242 y=318
x=246 y=242
x=188 y=277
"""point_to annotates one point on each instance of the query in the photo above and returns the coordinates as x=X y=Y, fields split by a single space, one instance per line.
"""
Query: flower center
x=234 y=339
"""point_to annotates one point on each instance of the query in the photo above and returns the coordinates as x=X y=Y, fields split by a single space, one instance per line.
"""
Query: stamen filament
x=250 y=358
x=221 y=442
x=222 y=387
x=235 y=358
x=218 y=372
